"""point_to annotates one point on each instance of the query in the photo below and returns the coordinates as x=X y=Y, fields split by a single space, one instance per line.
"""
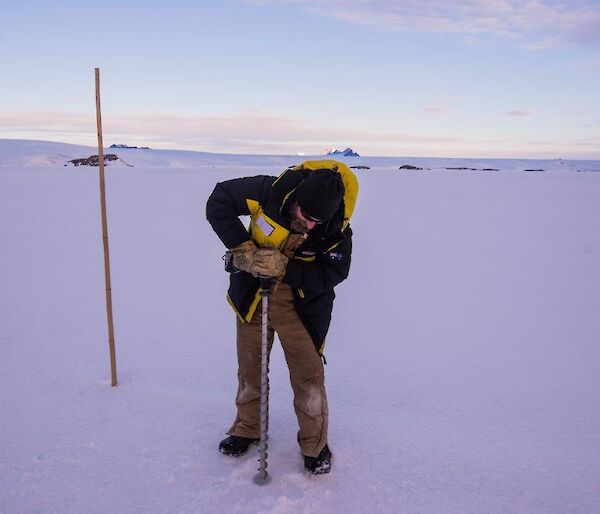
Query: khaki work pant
x=305 y=366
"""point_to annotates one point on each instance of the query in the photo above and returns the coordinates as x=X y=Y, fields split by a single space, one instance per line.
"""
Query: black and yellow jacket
x=320 y=263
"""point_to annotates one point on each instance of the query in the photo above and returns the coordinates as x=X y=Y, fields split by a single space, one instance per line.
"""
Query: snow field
x=463 y=365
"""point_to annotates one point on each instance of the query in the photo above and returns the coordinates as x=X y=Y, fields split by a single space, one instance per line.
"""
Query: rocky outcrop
x=473 y=169
x=127 y=147
x=93 y=160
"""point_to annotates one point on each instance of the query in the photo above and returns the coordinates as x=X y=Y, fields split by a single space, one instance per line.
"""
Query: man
x=299 y=235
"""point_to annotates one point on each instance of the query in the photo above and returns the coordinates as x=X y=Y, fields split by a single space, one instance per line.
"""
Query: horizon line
x=361 y=156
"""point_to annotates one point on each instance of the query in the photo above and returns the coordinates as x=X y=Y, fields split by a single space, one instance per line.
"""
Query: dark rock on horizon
x=93 y=160
x=127 y=147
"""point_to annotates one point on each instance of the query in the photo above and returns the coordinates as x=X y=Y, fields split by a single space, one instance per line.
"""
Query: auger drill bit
x=262 y=477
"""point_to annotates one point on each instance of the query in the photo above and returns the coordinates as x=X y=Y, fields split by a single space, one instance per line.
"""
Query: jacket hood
x=290 y=179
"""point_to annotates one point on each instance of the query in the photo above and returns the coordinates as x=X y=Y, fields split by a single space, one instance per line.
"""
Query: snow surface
x=463 y=359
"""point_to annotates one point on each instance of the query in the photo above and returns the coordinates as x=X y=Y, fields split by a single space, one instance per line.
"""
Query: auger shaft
x=263 y=477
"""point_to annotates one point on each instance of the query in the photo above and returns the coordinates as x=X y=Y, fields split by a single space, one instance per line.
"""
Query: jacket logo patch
x=265 y=226
x=335 y=256
x=307 y=253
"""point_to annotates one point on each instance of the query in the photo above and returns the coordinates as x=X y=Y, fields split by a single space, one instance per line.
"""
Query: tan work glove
x=243 y=255
x=269 y=262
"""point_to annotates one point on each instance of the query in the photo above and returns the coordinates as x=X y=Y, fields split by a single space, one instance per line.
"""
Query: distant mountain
x=348 y=152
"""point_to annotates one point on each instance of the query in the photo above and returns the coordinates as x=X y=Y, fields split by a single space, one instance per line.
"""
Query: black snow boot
x=236 y=446
x=318 y=465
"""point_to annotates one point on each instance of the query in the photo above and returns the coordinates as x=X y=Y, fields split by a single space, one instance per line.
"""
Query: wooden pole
x=111 y=332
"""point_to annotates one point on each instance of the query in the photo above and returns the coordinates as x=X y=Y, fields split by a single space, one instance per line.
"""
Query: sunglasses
x=310 y=218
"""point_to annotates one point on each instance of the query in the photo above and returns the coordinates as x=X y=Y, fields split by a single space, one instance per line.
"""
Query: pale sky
x=475 y=78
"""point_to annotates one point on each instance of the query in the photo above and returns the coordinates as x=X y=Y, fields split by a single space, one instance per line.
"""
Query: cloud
x=518 y=112
x=247 y=132
x=587 y=142
x=533 y=24
x=261 y=133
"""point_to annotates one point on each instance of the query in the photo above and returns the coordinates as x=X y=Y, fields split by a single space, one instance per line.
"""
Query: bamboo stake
x=111 y=333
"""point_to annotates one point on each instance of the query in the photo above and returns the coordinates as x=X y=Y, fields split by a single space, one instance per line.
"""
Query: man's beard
x=298 y=226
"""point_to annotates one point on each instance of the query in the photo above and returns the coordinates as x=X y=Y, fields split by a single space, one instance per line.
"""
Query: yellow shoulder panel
x=253 y=206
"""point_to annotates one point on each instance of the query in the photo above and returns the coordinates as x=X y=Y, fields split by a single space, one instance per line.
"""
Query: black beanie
x=319 y=195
